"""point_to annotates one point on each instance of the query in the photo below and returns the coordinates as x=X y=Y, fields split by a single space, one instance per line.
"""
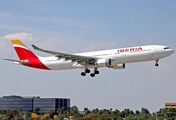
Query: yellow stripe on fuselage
x=16 y=41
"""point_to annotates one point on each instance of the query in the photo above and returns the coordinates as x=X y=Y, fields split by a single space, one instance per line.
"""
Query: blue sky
x=79 y=26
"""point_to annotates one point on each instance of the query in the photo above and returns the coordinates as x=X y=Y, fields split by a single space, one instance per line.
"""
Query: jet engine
x=119 y=66
x=105 y=62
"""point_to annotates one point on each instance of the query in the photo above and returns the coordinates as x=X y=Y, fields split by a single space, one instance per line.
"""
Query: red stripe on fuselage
x=34 y=61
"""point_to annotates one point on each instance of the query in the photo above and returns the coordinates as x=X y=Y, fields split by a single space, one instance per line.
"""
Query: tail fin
x=22 y=51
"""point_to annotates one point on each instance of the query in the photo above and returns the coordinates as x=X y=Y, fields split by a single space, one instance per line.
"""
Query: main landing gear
x=88 y=71
x=156 y=64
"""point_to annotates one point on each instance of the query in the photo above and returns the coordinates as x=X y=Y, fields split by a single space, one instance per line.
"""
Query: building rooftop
x=170 y=105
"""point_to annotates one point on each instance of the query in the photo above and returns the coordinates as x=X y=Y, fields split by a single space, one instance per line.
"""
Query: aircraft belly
x=60 y=65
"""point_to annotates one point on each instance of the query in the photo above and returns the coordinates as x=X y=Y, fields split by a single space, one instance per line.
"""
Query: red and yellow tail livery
x=27 y=57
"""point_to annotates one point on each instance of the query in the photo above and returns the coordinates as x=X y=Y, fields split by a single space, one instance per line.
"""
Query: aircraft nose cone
x=171 y=51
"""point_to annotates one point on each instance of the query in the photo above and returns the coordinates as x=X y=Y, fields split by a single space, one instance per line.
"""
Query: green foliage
x=145 y=111
x=18 y=118
x=28 y=115
x=61 y=110
x=137 y=112
x=3 y=111
x=60 y=117
x=114 y=117
x=94 y=114
x=74 y=110
x=36 y=109
x=6 y=118
x=87 y=111
x=120 y=118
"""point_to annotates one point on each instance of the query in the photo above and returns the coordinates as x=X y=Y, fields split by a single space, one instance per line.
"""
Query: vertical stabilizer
x=27 y=57
x=22 y=51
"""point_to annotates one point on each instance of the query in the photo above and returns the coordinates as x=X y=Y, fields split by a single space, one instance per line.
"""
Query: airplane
x=113 y=58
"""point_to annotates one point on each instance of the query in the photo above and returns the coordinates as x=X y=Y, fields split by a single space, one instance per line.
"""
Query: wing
x=73 y=58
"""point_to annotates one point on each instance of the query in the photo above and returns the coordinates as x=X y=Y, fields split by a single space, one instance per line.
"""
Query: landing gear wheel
x=87 y=71
x=83 y=74
x=156 y=64
x=96 y=72
x=92 y=75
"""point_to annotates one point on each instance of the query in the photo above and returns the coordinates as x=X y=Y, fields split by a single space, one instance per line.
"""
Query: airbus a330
x=114 y=58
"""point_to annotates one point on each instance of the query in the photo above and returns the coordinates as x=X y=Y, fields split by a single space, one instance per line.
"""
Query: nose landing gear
x=156 y=64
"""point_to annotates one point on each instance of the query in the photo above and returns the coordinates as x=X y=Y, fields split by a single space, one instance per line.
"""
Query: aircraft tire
x=156 y=64
x=87 y=71
x=96 y=72
x=92 y=75
x=83 y=74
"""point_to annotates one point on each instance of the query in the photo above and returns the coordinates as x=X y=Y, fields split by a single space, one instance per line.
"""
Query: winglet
x=35 y=47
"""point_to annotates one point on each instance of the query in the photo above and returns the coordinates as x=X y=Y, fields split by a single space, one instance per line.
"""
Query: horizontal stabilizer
x=24 y=62
x=12 y=60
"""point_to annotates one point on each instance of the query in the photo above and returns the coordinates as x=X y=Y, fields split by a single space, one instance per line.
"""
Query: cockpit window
x=166 y=48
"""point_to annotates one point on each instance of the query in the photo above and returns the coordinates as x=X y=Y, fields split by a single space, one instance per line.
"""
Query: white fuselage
x=118 y=56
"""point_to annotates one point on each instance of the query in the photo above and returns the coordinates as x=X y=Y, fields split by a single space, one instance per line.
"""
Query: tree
x=45 y=117
x=86 y=111
x=50 y=113
x=74 y=111
x=106 y=117
x=127 y=112
x=60 y=110
x=9 y=114
x=131 y=112
x=120 y=118
x=145 y=111
x=40 y=112
x=13 y=113
x=3 y=111
x=36 y=109
x=22 y=114
x=137 y=112
x=28 y=115
x=116 y=112
x=96 y=111
x=92 y=116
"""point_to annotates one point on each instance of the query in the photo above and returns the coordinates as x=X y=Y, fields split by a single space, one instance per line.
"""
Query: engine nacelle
x=119 y=66
x=103 y=62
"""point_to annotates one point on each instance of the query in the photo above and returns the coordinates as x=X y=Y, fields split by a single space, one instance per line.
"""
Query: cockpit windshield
x=166 y=48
